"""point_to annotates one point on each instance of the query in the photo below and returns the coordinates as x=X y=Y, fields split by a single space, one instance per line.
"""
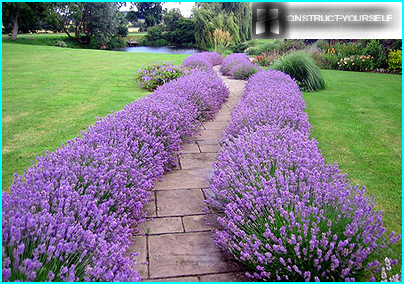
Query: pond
x=160 y=49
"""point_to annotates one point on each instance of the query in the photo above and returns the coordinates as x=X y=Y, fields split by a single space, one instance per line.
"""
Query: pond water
x=160 y=49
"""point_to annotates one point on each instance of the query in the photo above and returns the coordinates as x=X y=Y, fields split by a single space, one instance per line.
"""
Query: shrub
x=395 y=60
x=60 y=43
x=318 y=56
x=150 y=77
x=214 y=57
x=303 y=69
x=203 y=60
x=331 y=61
x=375 y=50
x=70 y=217
x=356 y=63
x=239 y=66
x=289 y=216
x=266 y=59
x=284 y=105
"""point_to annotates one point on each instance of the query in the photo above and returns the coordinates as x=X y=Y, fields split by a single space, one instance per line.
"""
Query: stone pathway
x=174 y=243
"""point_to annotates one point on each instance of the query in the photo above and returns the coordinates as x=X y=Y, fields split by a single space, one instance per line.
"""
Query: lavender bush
x=289 y=216
x=239 y=66
x=70 y=217
x=204 y=60
x=150 y=77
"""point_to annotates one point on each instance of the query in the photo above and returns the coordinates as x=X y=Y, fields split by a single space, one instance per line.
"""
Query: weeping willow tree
x=231 y=18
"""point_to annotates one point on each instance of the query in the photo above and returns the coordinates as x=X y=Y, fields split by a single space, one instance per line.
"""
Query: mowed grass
x=357 y=122
x=51 y=93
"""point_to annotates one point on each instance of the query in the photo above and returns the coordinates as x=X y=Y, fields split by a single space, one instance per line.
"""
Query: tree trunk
x=15 y=28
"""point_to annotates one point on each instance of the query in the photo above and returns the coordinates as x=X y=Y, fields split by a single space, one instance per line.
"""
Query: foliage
x=375 y=50
x=151 y=12
x=234 y=18
x=71 y=216
x=23 y=16
x=395 y=60
x=60 y=43
x=154 y=33
x=288 y=45
x=170 y=18
x=239 y=47
x=152 y=76
x=222 y=38
x=356 y=63
x=317 y=55
x=288 y=215
x=302 y=68
x=83 y=20
x=266 y=59
x=183 y=32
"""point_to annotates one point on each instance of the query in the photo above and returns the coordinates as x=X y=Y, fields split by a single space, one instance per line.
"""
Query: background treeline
x=102 y=25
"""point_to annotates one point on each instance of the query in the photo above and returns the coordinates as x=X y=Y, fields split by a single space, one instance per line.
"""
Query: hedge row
x=70 y=217
x=288 y=215
x=239 y=66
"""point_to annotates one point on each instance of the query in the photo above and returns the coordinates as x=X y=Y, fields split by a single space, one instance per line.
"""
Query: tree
x=151 y=12
x=224 y=18
x=83 y=20
x=170 y=18
x=21 y=15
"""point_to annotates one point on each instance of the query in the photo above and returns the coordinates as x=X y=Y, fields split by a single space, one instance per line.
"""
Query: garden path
x=175 y=244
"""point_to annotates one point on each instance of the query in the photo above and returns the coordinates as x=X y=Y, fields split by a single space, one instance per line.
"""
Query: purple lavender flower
x=273 y=185
x=83 y=201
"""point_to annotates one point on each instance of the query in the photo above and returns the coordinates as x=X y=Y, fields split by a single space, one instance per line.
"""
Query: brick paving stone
x=174 y=279
x=139 y=245
x=208 y=142
x=200 y=223
x=190 y=148
x=180 y=202
x=225 y=277
x=209 y=148
x=161 y=226
x=209 y=135
x=187 y=254
x=150 y=207
x=183 y=179
x=197 y=160
x=216 y=125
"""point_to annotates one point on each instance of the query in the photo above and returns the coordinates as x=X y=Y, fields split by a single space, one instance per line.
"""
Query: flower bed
x=70 y=217
x=239 y=66
x=288 y=215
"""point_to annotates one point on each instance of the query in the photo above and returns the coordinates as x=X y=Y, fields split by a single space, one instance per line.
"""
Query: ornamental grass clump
x=303 y=69
x=239 y=66
x=288 y=215
x=150 y=77
x=70 y=217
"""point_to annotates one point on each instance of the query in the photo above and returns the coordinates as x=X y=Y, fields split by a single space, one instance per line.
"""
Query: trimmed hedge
x=203 y=60
x=288 y=215
x=239 y=66
x=70 y=217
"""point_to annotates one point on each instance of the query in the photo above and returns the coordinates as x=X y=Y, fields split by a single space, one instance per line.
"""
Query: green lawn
x=357 y=122
x=51 y=93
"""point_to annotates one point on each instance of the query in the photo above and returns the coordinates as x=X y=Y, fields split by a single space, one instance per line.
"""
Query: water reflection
x=160 y=49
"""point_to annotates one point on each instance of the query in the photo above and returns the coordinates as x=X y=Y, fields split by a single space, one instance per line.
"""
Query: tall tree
x=224 y=18
x=171 y=17
x=151 y=12
x=82 y=20
x=25 y=15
